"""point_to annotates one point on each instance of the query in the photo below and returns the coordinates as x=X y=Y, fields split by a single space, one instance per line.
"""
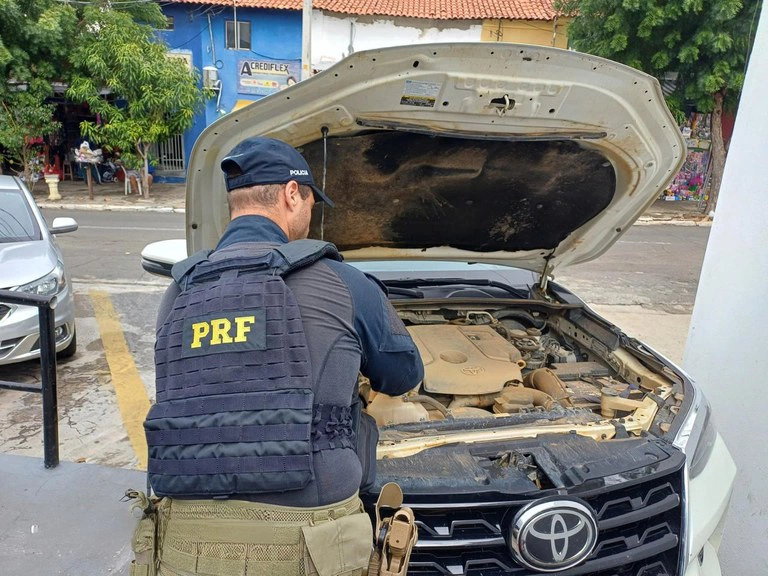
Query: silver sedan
x=30 y=261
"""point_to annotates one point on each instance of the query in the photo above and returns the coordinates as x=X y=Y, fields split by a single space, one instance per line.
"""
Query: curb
x=110 y=208
x=643 y=221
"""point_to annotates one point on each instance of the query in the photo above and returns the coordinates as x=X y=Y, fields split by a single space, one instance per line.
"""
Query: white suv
x=465 y=176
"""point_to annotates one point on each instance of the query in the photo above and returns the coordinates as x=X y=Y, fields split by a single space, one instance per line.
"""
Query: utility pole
x=306 y=40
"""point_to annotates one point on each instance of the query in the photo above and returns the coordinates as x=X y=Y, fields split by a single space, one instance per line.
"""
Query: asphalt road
x=653 y=266
x=107 y=245
x=105 y=390
x=656 y=267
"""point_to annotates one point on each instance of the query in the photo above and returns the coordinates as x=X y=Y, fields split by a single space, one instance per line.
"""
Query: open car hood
x=501 y=153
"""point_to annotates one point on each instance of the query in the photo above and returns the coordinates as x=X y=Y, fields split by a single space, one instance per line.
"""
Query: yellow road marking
x=132 y=396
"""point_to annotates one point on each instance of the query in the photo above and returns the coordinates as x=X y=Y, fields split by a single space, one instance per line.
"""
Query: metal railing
x=45 y=312
x=169 y=154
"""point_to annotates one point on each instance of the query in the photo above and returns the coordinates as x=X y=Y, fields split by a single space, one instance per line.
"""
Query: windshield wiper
x=411 y=282
x=400 y=291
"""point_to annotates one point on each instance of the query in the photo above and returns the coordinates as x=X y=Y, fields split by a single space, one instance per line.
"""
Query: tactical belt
x=238 y=537
x=179 y=509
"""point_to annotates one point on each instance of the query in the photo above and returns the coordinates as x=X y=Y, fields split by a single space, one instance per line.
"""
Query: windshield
x=17 y=222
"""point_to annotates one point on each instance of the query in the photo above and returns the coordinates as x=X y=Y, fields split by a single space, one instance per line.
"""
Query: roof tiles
x=431 y=9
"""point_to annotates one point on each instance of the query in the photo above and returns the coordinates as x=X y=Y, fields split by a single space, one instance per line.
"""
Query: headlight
x=696 y=437
x=49 y=285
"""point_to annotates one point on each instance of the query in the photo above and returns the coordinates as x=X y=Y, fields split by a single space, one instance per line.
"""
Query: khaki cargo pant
x=238 y=538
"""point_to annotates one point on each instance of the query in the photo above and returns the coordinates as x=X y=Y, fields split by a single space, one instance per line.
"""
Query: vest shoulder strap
x=302 y=253
x=291 y=257
x=184 y=267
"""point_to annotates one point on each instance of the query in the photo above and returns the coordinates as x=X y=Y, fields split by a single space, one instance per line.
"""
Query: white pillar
x=727 y=349
x=306 y=40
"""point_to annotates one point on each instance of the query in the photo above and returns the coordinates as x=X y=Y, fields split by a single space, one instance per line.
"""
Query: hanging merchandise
x=690 y=182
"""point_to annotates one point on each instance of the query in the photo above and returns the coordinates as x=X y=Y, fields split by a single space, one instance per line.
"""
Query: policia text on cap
x=256 y=437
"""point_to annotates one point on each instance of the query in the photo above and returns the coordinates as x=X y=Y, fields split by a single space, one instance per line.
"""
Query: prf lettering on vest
x=219 y=331
x=225 y=332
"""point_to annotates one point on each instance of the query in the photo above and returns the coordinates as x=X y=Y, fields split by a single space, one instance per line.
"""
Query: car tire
x=71 y=348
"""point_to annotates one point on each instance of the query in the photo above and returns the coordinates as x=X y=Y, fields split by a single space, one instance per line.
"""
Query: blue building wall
x=245 y=75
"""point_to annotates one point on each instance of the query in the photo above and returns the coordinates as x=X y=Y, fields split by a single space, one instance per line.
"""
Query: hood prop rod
x=544 y=278
x=324 y=132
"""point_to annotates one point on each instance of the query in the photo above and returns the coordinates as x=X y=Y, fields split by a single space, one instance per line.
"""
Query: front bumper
x=708 y=497
x=708 y=565
x=20 y=327
x=649 y=519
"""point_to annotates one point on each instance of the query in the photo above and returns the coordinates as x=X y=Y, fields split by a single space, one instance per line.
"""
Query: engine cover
x=465 y=360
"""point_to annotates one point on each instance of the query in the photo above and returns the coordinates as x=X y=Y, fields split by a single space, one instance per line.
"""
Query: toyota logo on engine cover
x=553 y=534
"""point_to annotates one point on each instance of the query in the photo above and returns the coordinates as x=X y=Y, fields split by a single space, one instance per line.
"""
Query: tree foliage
x=155 y=96
x=21 y=122
x=90 y=45
x=706 y=43
x=33 y=44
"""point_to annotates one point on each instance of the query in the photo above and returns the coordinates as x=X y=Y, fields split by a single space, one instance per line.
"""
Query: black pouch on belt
x=366 y=439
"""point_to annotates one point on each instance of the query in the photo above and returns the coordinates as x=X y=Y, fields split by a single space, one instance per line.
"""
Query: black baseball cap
x=261 y=160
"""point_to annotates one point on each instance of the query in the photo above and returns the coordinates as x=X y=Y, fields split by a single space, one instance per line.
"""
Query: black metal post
x=48 y=378
x=47 y=319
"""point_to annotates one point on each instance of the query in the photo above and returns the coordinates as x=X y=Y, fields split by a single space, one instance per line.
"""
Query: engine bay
x=495 y=372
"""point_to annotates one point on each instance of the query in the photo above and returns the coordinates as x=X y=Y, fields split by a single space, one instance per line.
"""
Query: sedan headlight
x=697 y=435
x=49 y=285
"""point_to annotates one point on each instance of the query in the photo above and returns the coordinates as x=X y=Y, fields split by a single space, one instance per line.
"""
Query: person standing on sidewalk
x=256 y=438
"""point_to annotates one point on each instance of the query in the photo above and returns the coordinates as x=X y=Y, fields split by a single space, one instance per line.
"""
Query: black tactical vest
x=234 y=413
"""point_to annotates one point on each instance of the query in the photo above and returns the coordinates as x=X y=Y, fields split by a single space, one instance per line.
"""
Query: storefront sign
x=263 y=77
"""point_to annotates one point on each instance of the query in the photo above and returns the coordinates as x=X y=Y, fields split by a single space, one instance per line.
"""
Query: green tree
x=23 y=118
x=34 y=36
x=155 y=96
x=706 y=42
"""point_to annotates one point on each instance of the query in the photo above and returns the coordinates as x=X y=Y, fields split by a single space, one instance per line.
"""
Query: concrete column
x=306 y=39
x=726 y=351
x=53 y=186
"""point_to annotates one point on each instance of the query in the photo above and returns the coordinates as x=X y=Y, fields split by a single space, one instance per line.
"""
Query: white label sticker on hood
x=420 y=93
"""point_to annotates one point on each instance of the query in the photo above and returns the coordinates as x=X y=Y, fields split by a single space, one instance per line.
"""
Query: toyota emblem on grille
x=553 y=534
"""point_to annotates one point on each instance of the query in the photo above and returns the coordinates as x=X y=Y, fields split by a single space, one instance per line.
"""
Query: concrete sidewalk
x=680 y=212
x=172 y=198
x=111 y=196
x=68 y=521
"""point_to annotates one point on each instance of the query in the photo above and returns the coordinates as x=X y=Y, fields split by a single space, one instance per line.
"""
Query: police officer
x=254 y=438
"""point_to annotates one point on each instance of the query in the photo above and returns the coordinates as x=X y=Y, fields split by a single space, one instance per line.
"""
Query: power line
x=189 y=40
x=274 y=57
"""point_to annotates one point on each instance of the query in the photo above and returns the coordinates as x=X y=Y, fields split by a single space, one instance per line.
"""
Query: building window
x=240 y=40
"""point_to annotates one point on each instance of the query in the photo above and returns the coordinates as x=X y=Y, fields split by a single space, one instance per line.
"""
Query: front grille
x=639 y=533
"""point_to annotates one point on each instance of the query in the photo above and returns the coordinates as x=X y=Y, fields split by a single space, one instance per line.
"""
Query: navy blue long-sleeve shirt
x=350 y=327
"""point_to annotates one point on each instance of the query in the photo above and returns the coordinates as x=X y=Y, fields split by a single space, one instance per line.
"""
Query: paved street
x=656 y=267
x=646 y=284
x=107 y=245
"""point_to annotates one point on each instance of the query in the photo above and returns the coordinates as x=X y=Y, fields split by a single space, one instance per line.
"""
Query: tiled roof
x=432 y=9
x=446 y=9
